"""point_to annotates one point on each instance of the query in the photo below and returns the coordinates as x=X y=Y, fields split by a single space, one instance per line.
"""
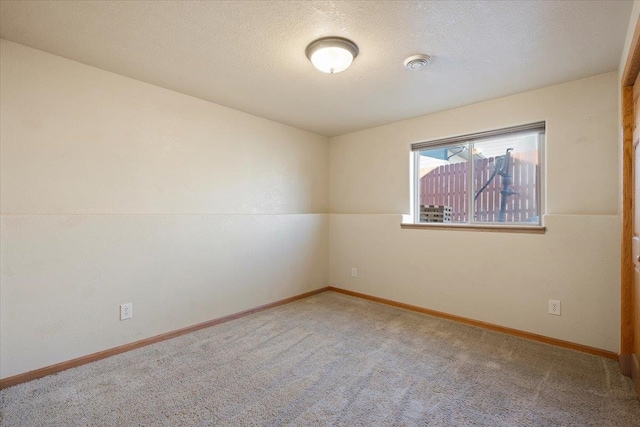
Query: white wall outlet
x=354 y=272
x=554 y=307
x=126 y=311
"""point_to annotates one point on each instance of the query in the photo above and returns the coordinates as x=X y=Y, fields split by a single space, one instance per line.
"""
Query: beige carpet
x=333 y=360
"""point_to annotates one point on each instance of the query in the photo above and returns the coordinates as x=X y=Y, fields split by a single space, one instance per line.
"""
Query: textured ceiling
x=250 y=55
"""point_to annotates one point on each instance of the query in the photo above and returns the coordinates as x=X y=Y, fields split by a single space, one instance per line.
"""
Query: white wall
x=505 y=279
x=115 y=191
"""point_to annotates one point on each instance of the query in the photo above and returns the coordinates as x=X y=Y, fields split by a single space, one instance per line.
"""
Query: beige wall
x=633 y=19
x=116 y=191
x=506 y=279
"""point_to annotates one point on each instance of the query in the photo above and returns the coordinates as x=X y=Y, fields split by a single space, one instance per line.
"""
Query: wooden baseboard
x=625 y=360
x=485 y=325
x=634 y=364
x=59 y=367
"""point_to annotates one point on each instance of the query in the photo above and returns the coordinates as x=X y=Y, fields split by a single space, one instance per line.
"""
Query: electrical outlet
x=354 y=272
x=126 y=311
x=554 y=307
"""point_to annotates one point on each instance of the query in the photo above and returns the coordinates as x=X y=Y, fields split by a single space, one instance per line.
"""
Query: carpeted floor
x=333 y=360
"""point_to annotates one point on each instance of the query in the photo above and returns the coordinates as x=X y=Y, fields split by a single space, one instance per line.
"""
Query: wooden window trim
x=493 y=228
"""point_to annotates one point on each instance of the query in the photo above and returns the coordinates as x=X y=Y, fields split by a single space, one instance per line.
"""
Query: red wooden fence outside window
x=447 y=185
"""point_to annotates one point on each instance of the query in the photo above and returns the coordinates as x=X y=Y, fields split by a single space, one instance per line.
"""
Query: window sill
x=529 y=229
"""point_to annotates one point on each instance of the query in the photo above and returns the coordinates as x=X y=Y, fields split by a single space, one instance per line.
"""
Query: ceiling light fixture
x=332 y=54
x=416 y=62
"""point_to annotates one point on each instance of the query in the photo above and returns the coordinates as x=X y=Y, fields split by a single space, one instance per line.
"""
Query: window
x=486 y=178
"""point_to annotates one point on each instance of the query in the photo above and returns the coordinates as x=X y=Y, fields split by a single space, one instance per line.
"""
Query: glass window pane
x=505 y=179
x=443 y=184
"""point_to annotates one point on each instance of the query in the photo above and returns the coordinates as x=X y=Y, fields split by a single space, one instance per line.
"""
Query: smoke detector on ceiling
x=417 y=62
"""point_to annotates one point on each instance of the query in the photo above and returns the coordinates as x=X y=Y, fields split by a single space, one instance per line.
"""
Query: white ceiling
x=249 y=55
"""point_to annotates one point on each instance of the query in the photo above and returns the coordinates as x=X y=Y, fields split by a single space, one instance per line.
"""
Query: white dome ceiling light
x=332 y=54
x=416 y=62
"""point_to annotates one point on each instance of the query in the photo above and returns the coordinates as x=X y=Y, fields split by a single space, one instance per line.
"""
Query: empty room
x=355 y=213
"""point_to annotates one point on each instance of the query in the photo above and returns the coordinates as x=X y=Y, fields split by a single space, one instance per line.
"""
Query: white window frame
x=537 y=127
